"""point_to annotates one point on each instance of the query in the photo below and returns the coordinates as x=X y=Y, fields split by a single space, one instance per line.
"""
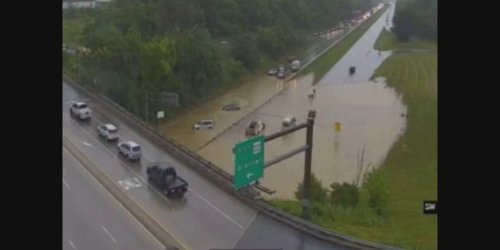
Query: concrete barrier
x=169 y=241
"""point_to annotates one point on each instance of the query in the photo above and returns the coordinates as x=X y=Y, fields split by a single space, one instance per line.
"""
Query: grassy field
x=410 y=168
x=323 y=64
x=387 y=41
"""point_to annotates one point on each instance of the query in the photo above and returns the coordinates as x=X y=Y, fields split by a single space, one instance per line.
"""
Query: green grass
x=410 y=168
x=323 y=64
x=387 y=41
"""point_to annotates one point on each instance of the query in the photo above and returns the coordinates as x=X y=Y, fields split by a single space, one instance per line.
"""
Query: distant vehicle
x=255 y=128
x=281 y=75
x=295 y=66
x=281 y=68
x=80 y=110
x=288 y=122
x=204 y=124
x=108 y=132
x=352 y=70
x=130 y=149
x=272 y=72
x=164 y=175
x=231 y=107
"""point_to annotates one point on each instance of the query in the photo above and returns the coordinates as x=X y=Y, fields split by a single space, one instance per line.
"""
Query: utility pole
x=147 y=108
x=307 y=164
x=309 y=125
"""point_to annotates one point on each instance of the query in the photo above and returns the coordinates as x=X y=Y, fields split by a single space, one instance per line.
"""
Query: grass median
x=410 y=169
x=323 y=64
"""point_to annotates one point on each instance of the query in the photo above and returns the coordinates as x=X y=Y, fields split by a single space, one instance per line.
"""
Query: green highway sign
x=248 y=161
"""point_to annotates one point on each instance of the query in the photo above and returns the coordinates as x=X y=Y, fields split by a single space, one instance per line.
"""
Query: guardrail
x=222 y=178
x=149 y=222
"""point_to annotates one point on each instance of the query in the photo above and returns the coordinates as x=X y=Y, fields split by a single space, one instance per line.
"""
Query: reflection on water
x=370 y=118
x=370 y=115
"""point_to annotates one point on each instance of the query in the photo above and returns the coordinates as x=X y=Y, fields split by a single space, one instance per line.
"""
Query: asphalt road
x=93 y=218
x=361 y=55
x=206 y=218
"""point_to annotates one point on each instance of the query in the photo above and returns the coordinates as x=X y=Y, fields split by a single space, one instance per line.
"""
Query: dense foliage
x=194 y=47
x=415 y=18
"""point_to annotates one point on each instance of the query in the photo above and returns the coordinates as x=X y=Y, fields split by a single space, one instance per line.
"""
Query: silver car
x=130 y=149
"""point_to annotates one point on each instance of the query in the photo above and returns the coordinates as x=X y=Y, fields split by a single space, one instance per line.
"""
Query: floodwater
x=371 y=117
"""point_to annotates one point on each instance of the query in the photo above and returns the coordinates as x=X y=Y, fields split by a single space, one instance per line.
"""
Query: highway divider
x=147 y=220
x=219 y=176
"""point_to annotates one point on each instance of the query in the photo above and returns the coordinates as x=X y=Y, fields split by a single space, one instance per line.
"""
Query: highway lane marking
x=71 y=244
x=66 y=184
x=245 y=229
x=122 y=162
x=216 y=208
x=150 y=160
x=125 y=210
x=88 y=144
x=108 y=233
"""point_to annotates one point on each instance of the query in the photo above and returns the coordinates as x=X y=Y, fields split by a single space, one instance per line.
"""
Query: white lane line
x=246 y=228
x=216 y=208
x=150 y=160
x=88 y=144
x=71 y=244
x=108 y=233
x=122 y=162
x=66 y=184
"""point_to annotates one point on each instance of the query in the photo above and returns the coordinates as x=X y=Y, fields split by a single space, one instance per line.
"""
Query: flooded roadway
x=371 y=115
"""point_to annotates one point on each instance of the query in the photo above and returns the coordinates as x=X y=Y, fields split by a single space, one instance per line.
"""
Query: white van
x=204 y=124
x=288 y=122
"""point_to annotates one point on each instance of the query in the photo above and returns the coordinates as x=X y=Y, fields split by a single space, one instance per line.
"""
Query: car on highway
x=231 y=107
x=163 y=174
x=255 y=128
x=130 y=149
x=272 y=72
x=204 y=124
x=108 y=131
x=288 y=122
x=352 y=70
x=81 y=110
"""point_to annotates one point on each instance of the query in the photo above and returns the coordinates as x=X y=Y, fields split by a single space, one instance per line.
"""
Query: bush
x=374 y=193
x=345 y=195
x=316 y=192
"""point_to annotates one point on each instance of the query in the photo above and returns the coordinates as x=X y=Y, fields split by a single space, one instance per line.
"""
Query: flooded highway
x=370 y=115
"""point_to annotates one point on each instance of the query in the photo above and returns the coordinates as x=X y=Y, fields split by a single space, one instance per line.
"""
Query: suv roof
x=131 y=143
x=162 y=164
x=110 y=126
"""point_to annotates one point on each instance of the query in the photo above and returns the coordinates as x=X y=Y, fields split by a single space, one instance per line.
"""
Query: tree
x=316 y=191
x=246 y=51
x=344 y=195
x=375 y=191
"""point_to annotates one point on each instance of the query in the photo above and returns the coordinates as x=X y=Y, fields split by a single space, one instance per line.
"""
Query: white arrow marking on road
x=88 y=144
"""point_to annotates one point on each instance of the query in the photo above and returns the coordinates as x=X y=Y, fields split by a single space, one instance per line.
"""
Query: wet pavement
x=206 y=218
x=371 y=117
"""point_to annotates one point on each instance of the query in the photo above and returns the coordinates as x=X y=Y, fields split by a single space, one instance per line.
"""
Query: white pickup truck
x=80 y=110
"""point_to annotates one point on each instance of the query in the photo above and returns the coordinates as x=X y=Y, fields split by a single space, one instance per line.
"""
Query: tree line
x=193 y=47
x=415 y=18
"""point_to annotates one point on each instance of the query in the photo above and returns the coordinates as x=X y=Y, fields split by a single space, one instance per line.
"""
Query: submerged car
x=231 y=107
x=272 y=72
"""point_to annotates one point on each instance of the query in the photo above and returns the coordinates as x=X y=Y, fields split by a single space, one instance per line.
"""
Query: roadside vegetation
x=191 y=47
x=388 y=41
x=323 y=64
x=387 y=207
